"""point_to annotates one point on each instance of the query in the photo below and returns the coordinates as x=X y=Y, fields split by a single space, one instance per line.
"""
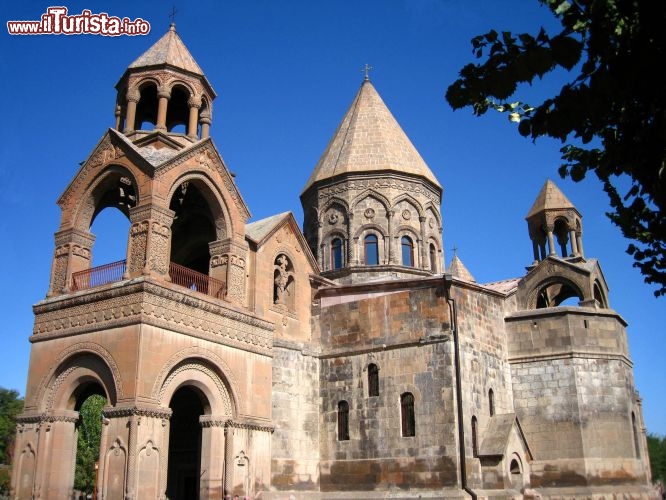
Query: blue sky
x=285 y=73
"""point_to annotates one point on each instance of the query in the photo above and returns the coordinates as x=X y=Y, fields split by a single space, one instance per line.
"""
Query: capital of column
x=205 y=117
x=164 y=92
x=133 y=96
x=194 y=102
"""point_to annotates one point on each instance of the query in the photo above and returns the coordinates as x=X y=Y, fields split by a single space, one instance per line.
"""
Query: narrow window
x=475 y=445
x=637 y=447
x=491 y=402
x=433 y=258
x=373 y=380
x=343 y=421
x=371 y=250
x=336 y=253
x=407 y=251
x=408 y=417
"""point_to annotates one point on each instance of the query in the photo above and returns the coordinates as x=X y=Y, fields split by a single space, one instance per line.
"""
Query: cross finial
x=367 y=69
x=455 y=250
x=172 y=16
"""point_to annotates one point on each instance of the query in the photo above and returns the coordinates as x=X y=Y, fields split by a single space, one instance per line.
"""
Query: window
x=407 y=251
x=491 y=402
x=373 y=380
x=407 y=414
x=475 y=443
x=336 y=253
x=343 y=421
x=433 y=258
x=371 y=250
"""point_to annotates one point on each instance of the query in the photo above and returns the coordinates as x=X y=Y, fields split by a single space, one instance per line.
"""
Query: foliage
x=10 y=406
x=615 y=99
x=657 y=452
x=87 y=448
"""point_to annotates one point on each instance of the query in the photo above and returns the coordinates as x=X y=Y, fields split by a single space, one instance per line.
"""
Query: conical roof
x=458 y=270
x=549 y=198
x=170 y=50
x=369 y=139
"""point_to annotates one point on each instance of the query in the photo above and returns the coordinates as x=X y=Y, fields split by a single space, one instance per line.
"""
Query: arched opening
x=516 y=473
x=561 y=232
x=371 y=250
x=432 y=253
x=184 y=469
x=284 y=289
x=343 y=421
x=491 y=402
x=373 y=380
x=336 y=254
x=193 y=228
x=111 y=228
x=407 y=251
x=475 y=438
x=407 y=414
x=599 y=296
x=146 y=108
x=90 y=403
x=557 y=293
x=178 y=110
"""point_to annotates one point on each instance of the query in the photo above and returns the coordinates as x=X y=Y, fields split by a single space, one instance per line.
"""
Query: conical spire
x=549 y=198
x=458 y=270
x=169 y=50
x=369 y=139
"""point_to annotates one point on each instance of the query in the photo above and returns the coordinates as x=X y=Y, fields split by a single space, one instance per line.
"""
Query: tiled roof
x=458 y=270
x=256 y=231
x=504 y=286
x=170 y=50
x=369 y=139
x=550 y=197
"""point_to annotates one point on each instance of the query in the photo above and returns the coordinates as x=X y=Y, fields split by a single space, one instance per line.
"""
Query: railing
x=97 y=276
x=180 y=275
x=199 y=282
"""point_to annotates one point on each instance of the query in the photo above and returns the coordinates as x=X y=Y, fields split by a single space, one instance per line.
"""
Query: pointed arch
x=552 y=291
x=371 y=193
x=405 y=197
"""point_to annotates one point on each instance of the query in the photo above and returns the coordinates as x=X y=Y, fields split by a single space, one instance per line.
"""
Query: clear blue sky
x=285 y=73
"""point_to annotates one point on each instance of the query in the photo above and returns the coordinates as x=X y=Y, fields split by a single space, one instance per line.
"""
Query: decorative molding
x=129 y=411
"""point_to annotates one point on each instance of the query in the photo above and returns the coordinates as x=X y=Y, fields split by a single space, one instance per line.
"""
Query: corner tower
x=372 y=205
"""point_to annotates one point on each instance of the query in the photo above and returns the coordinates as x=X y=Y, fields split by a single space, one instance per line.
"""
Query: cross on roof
x=172 y=15
x=367 y=69
x=455 y=250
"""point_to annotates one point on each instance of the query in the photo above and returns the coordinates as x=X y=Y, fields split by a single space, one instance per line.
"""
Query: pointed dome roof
x=170 y=50
x=369 y=139
x=458 y=270
x=549 y=198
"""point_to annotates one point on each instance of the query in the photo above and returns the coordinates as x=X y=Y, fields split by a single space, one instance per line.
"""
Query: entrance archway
x=184 y=468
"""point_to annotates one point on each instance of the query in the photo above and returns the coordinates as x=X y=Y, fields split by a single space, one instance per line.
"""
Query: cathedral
x=340 y=360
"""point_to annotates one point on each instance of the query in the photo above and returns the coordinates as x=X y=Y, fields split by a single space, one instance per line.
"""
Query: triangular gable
x=109 y=148
x=158 y=140
x=263 y=230
x=497 y=436
x=208 y=157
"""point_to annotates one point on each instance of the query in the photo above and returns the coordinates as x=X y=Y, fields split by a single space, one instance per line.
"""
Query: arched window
x=407 y=251
x=336 y=253
x=343 y=421
x=371 y=250
x=433 y=258
x=407 y=414
x=373 y=380
x=491 y=402
x=475 y=442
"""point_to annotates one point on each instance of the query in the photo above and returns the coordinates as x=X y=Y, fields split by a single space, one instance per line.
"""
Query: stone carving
x=333 y=218
x=363 y=184
x=222 y=391
x=282 y=276
x=369 y=213
x=406 y=214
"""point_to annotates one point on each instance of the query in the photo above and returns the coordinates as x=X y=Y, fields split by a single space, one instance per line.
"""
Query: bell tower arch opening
x=178 y=110
x=184 y=469
x=146 y=108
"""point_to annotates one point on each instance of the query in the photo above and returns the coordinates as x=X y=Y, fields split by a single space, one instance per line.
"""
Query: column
x=423 y=246
x=213 y=453
x=163 y=95
x=205 y=120
x=574 y=243
x=149 y=246
x=579 y=241
x=118 y=114
x=551 y=242
x=72 y=253
x=352 y=243
x=535 y=251
x=231 y=252
x=219 y=268
x=194 y=103
x=133 y=98
x=391 y=245
x=228 y=460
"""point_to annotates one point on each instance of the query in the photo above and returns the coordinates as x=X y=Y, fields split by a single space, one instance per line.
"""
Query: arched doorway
x=184 y=468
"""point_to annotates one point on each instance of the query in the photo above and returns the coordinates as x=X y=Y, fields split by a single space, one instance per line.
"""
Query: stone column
x=103 y=445
x=61 y=455
x=72 y=254
x=535 y=251
x=391 y=246
x=194 y=103
x=579 y=244
x=423 y=247
x=228 y=460
x=212 y=457
x=219 y=267
x=574 y=243
x=320 y=242
x=234 y=252
x=133 y=98
x=149 y=246
x=352 y=258
x=163 y=95
x=118 y=114
x=551 y=242
x=205 y=120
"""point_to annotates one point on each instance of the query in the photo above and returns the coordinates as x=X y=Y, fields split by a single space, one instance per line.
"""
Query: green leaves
x=87 y=450
x=10 y=406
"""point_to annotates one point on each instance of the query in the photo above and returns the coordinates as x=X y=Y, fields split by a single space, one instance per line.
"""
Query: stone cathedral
x=338 y=361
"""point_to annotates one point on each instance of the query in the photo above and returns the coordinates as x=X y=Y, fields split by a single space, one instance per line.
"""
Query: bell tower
x=166 y=336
